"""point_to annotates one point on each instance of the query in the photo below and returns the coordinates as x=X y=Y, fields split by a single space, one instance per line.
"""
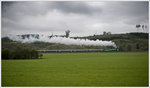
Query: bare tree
x=143 y=27
x=138 y=26
x=108 y=33
x=67 y=33
x=104 y=33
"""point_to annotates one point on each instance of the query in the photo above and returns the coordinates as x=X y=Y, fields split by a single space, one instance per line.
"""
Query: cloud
x=81 y=18
x=62 y=40
x=75 y=7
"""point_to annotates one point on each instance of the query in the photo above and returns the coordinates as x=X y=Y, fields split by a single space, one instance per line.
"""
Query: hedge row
x=20 y=53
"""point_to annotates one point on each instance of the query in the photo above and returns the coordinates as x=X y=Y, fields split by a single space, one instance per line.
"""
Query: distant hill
x=125 y=42
x=128 y=36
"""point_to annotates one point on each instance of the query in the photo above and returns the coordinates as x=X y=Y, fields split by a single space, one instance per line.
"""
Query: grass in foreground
x=78 y=69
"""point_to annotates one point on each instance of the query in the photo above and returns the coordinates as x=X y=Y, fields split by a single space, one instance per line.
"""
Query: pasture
x=78 y=70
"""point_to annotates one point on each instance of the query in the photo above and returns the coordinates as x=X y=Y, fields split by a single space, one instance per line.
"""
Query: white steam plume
x=63 y=40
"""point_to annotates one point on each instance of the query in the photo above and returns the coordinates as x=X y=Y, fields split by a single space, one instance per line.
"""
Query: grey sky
x=81 y=18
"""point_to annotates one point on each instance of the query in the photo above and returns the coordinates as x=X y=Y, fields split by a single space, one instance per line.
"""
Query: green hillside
x=125 y=42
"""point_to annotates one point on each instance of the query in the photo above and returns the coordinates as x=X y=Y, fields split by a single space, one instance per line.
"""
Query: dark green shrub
x=20 y=53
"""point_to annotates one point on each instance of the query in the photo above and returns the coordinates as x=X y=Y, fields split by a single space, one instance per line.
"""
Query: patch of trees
x=6 y=39
x=106 y=33
x=20 y=53
x=27 y=36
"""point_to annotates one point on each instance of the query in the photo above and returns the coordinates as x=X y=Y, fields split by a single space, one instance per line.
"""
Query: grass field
x=78 y=69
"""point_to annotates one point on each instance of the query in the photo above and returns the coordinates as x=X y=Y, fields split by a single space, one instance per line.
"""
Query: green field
x=78 y=69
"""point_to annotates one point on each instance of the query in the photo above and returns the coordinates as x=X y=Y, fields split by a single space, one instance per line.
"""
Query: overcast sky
x=81 y=18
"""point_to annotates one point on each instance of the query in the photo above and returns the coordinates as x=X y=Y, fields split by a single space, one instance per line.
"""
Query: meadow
x=78 y=70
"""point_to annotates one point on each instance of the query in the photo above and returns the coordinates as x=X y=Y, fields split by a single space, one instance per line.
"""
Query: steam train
x=78 y=50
